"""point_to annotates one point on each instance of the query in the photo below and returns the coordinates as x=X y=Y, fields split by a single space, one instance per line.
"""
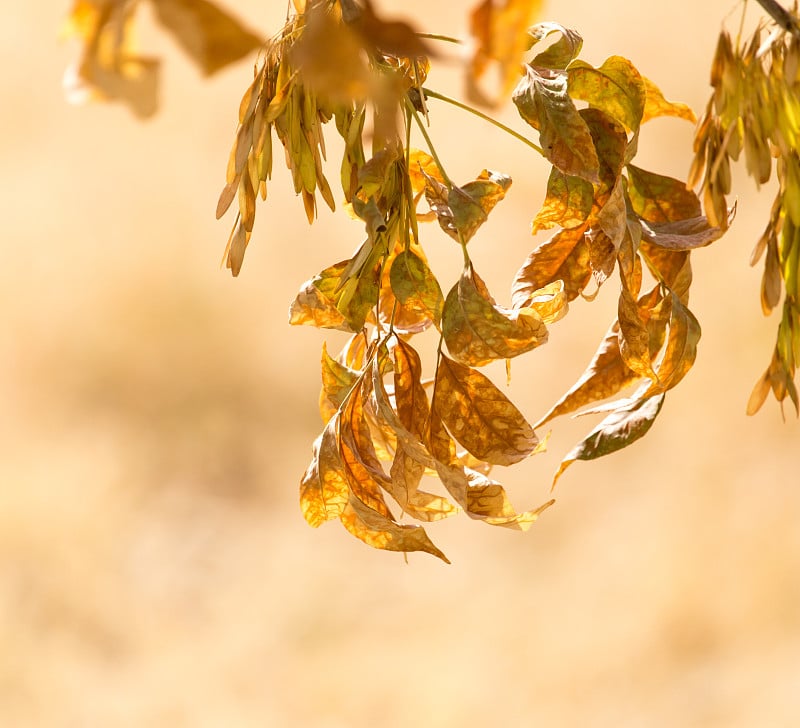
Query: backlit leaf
x=634 y=337
x=542 y=100
x=210 y=36
x=462 y=210
x=415 y=286
x=682 y=234
x=618 y=430
x=564 y=257
x=615 y=88
x=479 y=416
x=478 y=331
x=337 y=380
x=315 y=304
x=324 y=489
x=562 y=52
x=567 y=204
x=659 y=199
x=656 y=105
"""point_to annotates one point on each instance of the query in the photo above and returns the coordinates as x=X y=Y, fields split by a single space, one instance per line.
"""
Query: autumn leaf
x=656 y=105
x=542 y=99
x=478 y=331
x=498 y=30
x=462 y=210
x=209 y=36
x=657 y=198
x=619 y=429
x=479 y=416
x=634 y=335
x=561 y=52
x=564 y=257
x=615 y=88
x=315 y=304
x=567 y=204
x=337 y=381
x=324 y=489
x=682 y=234
x=415 y=286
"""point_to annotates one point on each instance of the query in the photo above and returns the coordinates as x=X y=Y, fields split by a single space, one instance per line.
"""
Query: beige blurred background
x=157 y=415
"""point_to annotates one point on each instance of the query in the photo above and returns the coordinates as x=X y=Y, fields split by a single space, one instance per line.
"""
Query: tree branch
x=781 y=16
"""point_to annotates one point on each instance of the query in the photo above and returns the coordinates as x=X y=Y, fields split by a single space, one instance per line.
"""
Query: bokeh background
x=157 y=415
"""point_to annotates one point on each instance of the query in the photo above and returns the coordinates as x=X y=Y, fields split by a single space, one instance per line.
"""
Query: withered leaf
x=415 y=286
x=602 y=256
x=634 y=337
x=478 y=331
x=615 y=88
x=462 y=210
x=682 y=234
x=324 y=489
x=315 y=304
x=659 y=199
x=618 y=430
x=567 y=204
x=337 y=380
x=479 y=416
x=562 y=52
x=210 y=36
x=380 y=532
x=656 y=105
x=564 y=257
x=542 y=100
x=612 y=218
x=681 y=351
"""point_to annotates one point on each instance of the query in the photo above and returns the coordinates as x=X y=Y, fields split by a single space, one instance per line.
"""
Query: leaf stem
x=465 y=107
x=428 y=141
x=438 y=36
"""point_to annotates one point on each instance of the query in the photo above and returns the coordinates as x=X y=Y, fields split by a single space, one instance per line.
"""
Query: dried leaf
x=415 y=286
x=209 y=36
x=337 y=381
x=682 y=234
x=479 y=416
x=478 y=331
x=324 y=490
x=567 y=204
x=618 y=430
x=542 y=100
x=315 y=304
x=660 y=199
x=562 y=52
x=634 y=337
x=564 y=257
x=616 y=88
x=462 y=210
x=656 y=105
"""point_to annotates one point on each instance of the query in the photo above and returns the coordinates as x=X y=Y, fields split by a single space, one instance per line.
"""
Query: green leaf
x=619 y=429
x=615 y=88
x=415 y=286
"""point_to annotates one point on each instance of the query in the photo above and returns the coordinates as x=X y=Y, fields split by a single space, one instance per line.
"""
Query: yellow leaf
x=324 y=490
x=656 y=105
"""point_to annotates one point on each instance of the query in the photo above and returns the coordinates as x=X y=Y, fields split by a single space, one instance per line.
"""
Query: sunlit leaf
x=315 y=304
x=615 y=88
x=567 y=204
x=462 y=210
x=542 y=100
x=479 y=416
x=210 y=36
x=477 y=330
x=560 y=53
x=618 y=430
x=337 y=380
x=660 y=199
x=415 y=286
x=564 y=257
x=324 y=489
x=682 y=234
x=656 y=105
x=380 y=532
x=634 y=337
x=612 y=218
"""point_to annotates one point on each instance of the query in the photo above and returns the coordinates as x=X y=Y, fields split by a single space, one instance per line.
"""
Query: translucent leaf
x=415 y=286
x=681 y=351
x=634 y=337
x=380 y=532
x=210 y=37
x=656 y=105
x=315 y=304
x=542 y=100
x=462 y=210
x=564 y=257
x=479 y=416
x=337 y=381
x=612 y=218
x=618 y=430
x=660 y=199
x=567 y=204
x=562 y=52
x=478 y=331
x=324 y=490
x=615 y=88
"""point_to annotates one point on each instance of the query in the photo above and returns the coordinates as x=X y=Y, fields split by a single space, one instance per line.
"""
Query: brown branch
x=781 y=16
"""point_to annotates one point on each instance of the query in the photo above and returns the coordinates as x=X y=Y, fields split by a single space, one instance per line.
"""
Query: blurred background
x=157 y=416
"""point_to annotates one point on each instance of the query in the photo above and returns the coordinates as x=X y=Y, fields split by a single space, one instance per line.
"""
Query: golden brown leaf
x=479 y=416
x=337 y=380
x=660 y=199
x=567 y=204
x=656 y=105
x=315 y=304
x=324 y=490
x=564 y=257
x=478 y=331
